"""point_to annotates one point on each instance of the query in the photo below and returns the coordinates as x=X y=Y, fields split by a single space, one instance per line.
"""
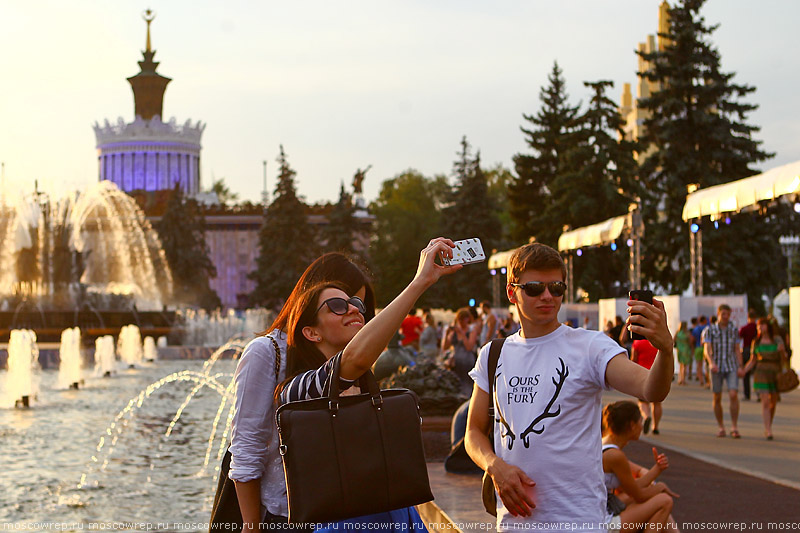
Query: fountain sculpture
x=85 y=248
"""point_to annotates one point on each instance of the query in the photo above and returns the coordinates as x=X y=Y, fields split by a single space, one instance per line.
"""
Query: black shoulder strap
x=277 y=356
x=494 y=356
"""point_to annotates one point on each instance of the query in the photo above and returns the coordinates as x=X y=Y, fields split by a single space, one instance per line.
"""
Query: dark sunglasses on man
x=339 y=306
x=536 y=288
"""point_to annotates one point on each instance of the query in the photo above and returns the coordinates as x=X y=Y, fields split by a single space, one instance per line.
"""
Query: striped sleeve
x=314 y=383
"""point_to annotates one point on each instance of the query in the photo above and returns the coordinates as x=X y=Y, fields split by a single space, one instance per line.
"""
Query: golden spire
x=663 y=25
x=148 y=86
x=148 y=15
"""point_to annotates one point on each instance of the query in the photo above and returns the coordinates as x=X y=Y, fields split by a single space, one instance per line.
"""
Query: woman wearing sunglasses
x=255 y=462
x=326 y=328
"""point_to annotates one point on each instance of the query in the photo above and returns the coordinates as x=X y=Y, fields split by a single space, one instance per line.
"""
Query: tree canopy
x=548 y=136
x=182 y=234
x=407 y=215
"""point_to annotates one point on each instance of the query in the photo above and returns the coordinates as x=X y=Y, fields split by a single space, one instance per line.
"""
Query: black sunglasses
x=536 y=288
x=339 y=306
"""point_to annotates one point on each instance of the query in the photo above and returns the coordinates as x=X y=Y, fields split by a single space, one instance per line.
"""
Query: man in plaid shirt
x=723 y=353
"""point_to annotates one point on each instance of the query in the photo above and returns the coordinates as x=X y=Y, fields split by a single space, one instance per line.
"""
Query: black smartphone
x=640 y=296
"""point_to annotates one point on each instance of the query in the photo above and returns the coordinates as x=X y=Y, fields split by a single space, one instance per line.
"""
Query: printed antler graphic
x=563 y=372
x=506 y=431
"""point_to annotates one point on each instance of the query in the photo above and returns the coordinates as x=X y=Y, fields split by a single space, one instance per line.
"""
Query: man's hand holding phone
x=648 y=319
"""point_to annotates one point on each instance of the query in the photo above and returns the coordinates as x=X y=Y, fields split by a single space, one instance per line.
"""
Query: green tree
x=499 y=179
x=342 y=225
x=471 y=213
x=407 y=215
x=548 y=137
x=222 y=191
x=598 y=180
x=286 y=241
x=697 y=134
x=182 y=234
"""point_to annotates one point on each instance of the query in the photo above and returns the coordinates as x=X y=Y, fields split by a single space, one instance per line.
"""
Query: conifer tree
x=342 y=226
x=548 y=138
x=182 y=234
x=471 y=213
x=697 y=134
x=286 y=241
x=597 y=181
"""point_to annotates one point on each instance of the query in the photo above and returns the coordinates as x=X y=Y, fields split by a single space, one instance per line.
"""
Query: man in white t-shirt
x=546 y=463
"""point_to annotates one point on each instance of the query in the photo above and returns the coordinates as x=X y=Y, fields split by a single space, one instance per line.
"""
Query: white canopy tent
x=602 y=234
x=738 y=195
x=499 y=259
x=735 y=197
x=598 y=234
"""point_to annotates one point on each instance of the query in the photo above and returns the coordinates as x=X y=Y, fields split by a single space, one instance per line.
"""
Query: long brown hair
x=302 y=354
x=770 y=330
x=330 y=267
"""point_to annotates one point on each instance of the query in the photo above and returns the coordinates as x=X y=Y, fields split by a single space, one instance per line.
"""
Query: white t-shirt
x=561 y=452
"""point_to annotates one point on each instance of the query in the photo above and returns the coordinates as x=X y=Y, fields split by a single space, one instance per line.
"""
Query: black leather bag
x=349 y=456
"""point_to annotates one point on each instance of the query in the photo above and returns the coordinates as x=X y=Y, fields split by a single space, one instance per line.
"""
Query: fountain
x=22 y=380
x=89 y=259
x=205 y=378
x=150 y=350
x=105 y=360
x=94 y=243
x=69 y=371
x=214 y=329
x=129 y=346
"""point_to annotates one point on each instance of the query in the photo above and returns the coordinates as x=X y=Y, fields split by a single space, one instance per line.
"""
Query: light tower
x=149 y=154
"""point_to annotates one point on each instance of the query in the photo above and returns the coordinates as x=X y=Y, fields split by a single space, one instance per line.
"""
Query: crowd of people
x=543 y=444
x=455 y=344
x=717 y=354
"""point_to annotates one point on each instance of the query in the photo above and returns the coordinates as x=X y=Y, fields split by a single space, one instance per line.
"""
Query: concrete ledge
x=432 y=514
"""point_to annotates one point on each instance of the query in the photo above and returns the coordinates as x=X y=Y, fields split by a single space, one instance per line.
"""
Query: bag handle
x=494 y=356
x=277 y=357
x=367 y=382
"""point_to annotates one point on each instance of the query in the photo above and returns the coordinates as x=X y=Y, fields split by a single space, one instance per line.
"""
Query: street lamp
x=264 y=193
x=789 y=245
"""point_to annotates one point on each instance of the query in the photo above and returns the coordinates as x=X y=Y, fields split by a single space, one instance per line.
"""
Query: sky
x=342 y=85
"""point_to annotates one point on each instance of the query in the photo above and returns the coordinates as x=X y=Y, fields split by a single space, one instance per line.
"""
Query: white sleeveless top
x=611 y=479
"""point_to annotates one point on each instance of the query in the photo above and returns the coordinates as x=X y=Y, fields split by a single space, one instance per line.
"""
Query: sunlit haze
x=343 y=85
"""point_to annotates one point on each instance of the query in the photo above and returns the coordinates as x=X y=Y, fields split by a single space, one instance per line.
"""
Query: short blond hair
x=534 y=256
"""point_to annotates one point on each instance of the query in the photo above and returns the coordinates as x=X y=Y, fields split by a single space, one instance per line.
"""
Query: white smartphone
x=466 y=252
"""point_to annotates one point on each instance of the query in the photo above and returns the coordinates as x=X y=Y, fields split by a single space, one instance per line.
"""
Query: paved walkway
x=689 y=426
x=750 y=480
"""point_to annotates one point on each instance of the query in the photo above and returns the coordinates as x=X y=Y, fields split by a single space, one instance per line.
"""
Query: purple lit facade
x=150 y=166
x=233 y=248
x=150 y=155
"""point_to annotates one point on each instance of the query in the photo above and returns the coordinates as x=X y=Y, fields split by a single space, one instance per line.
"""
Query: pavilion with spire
x=149 y=154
